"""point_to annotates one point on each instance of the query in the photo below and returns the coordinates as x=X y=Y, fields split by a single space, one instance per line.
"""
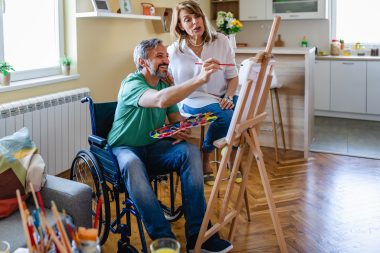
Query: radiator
x=58 y=123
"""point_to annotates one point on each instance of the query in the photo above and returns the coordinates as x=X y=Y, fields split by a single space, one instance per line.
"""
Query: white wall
x=255 y=33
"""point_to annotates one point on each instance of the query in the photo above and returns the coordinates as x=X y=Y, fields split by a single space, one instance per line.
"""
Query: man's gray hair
x=142 y=50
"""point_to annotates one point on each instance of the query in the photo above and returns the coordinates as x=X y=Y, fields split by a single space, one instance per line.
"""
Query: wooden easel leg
x=268 y=194
x=242 y=190
x=203 y=233
x=230 y=185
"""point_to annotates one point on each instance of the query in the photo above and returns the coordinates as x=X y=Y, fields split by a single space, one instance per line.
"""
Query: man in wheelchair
x=145 y=99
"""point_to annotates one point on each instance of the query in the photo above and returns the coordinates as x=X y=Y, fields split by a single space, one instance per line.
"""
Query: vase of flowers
x=228 y=25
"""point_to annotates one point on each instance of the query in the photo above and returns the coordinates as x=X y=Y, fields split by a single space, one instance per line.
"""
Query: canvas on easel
x=243 y=133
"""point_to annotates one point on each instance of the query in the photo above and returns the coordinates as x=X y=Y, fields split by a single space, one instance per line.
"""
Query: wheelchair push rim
x=85 y=169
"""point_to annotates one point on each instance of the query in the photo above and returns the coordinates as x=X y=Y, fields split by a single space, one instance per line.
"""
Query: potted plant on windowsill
x=5 y=74
x=65 y=64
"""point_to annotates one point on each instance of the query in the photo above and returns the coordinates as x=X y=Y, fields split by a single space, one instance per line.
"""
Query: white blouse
x=183 y=67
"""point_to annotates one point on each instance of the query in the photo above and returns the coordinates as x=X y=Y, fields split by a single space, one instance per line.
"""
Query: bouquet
x=227 y=24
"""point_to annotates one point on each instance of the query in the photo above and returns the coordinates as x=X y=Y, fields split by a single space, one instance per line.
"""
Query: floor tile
x=347 y=136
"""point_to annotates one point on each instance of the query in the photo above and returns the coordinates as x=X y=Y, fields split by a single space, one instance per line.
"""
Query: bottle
x=304 y=42
x=341 y=45
x=335 y=48
x=279 y=42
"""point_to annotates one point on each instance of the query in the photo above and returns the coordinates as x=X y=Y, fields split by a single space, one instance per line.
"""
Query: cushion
x=19 y=162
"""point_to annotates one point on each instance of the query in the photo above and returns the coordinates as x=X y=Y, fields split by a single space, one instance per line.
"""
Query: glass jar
x=335 y=48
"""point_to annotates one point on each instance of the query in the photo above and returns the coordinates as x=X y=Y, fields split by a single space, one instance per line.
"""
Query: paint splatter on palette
x=192 y=121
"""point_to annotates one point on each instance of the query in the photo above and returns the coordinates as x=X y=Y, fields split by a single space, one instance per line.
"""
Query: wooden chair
x=243 y=132
x=276 y=123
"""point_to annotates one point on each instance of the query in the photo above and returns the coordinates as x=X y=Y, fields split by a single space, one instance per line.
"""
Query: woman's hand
x=169 y=80
x=184 y=134
x=226 y=103
x=209 y=66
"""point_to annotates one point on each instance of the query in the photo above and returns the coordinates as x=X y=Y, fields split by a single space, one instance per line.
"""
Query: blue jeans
x=217 y=129
x=161 y=157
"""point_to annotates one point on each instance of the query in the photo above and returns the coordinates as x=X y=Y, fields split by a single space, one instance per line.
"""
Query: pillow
x=19 y=164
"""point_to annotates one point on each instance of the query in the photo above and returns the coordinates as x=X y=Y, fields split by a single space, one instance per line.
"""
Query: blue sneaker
x=213 y=245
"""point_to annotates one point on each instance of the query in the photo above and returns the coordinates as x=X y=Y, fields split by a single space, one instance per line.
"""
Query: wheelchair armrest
x=97 y=140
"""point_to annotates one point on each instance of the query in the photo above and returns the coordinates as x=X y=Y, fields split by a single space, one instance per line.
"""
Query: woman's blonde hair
x=191 y=7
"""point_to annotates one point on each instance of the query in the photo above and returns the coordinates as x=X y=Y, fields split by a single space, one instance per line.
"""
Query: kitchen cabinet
x=296 y=9
x=373 y=87
x=253 y=9
x=224 y=5
x=322 y=85
x=348 y=86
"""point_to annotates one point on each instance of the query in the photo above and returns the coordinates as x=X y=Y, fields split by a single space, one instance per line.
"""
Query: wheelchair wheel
x=85 y=169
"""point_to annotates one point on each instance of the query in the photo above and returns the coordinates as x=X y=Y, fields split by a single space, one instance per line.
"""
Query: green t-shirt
x=132 y=122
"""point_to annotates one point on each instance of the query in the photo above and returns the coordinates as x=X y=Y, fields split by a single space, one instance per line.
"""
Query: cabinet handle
x=252 y=16
x=348 y=63
x=294 y=16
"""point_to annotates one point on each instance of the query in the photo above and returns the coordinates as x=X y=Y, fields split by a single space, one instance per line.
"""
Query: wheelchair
x=98 y=168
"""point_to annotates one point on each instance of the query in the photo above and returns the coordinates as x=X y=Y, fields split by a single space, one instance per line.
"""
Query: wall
x=317 y=32
x=255 y=33
x=102 y=49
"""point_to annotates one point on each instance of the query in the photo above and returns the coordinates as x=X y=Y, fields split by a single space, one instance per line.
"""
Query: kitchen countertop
x=276 y=50
x=349 y=58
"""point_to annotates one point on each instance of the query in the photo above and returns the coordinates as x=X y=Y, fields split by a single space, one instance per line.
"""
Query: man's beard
x=158 y=73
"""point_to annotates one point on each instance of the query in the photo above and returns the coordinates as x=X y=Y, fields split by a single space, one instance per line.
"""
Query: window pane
x=358 y=21
x=31 y=34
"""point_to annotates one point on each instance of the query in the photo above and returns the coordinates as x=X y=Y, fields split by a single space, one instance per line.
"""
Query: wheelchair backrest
x=102 y=116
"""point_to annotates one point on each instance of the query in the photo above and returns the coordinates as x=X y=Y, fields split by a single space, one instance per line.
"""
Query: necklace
x=194 y=44
x=198 y=50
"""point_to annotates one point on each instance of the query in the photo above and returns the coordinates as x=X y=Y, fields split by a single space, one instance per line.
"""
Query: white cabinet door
x=348 y=86
x=252 y=9
x=373 y=87
x=322 y=85
x=293 y=9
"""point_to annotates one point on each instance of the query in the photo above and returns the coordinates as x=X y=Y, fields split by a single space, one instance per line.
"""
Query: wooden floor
x=329 y=204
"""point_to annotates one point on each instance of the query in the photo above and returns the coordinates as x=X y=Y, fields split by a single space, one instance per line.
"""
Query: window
x=356 y=21
x=31 y=37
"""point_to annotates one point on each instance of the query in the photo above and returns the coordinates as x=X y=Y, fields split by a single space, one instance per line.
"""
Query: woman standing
x=196 y=41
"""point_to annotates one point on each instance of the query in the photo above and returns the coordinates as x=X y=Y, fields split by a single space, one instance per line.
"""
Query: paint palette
x=192 y=121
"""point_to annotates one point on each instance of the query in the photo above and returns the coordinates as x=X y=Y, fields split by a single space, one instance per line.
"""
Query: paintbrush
x=220 y=64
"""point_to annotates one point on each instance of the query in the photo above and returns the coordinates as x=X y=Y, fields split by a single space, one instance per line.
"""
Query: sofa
x=73 y=197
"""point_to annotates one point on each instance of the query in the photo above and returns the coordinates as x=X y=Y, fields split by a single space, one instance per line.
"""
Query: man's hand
x=209 y=66
x=181 y=135
x=226 y=103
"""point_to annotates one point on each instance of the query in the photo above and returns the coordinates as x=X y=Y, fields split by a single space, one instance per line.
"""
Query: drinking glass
x=165 y=245
x=4 y=247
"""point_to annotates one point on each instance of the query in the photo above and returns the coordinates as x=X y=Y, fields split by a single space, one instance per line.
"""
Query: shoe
x=213 y=245
x=239 y=177
x=209 y=179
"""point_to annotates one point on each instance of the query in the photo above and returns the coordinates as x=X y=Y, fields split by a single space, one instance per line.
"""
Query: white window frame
x=42 y=72
x=333 y=5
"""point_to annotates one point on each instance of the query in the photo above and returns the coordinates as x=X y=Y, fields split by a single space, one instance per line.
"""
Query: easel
x=243 y=132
